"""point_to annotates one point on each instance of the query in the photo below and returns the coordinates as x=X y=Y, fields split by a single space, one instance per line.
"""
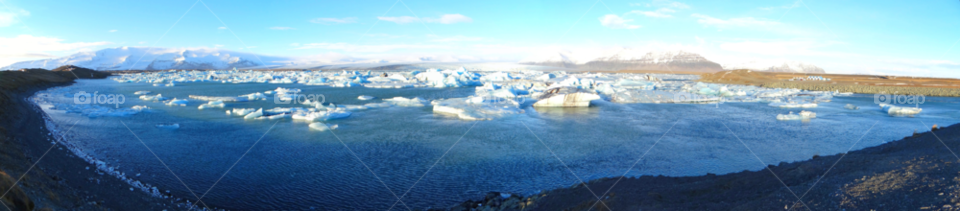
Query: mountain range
x=145 y=58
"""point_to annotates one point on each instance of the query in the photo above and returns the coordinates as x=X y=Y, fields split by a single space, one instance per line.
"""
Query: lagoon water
x=377 y=155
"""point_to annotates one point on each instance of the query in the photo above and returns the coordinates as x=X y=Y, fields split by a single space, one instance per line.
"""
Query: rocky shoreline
x=60 y=180
x=915 y=173
x=864 y=84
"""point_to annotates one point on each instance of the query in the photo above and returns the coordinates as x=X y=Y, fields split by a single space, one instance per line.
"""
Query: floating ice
x=851 y=107
x=320 y=115
x=322 y=127
x=141 y=92
x=793 y=105
x=243 y=111
x=177 y=102
x=407 y=102
x=212 y=104
x=223 y=99
x=157 y=97
x=169 y=126
x=565 y=97
x=365 y=97
x=803 y=115
x=477 y=108
x=254 y=114
x=899 y=111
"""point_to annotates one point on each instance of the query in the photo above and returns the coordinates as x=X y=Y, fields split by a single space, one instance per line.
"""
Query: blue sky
x=876 y=37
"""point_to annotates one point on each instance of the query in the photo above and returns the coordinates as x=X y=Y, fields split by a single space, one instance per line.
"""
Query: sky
x=916 y=38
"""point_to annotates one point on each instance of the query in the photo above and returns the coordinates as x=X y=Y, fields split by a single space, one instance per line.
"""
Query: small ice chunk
x=141 y=92
x=322 y=127
x=899 y=111
x=177 y=102
x=243 y=111
x=803 y=115
x=169 y=126
x=157 y=97
x=212 y=104
x=851 y=107
x=407 y=102
x=365 y=97
x=254 y=114
x=577 y=99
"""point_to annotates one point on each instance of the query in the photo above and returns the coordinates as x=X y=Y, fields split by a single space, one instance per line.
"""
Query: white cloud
x=25 y=47
x=218 y=46
x=222 y=27
x=112 y=30
x=281 y=28
x=12 y=16
x=659 y=13
x=367 y=48
x=334 y=20
x=443 y=19
x=616 y=22
x=733 y=22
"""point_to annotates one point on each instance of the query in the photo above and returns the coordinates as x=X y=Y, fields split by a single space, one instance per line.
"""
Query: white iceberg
x=365 y=97
x=212 y=104
x=255 y=114
x=851 y=107
x=407 y=102
x=141 y=92
x=177 y=102
x=322 y=127
x=803 y=115
x=565 y=97
x=899 y=111
x=168 y=126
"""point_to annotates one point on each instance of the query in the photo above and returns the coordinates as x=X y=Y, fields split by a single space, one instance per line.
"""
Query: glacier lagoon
x=295 y=167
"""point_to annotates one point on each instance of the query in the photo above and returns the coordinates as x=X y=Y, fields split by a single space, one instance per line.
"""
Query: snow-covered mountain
x=144 y=58
x=775 y=66
x=626 y=59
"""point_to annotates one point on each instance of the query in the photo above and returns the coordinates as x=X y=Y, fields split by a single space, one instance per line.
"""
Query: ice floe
x=899 y=111
x=803 y=115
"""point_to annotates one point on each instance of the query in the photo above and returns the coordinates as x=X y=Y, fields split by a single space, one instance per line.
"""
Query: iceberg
x=141 y=92
x=803 y=115
x=322 y=127
x=177 y=102
x=565 y=97
x=477 y=108
x=212 y=104
x=254 y=114
x=899 y=111
x=157 y=97
x=168 y=126
x=223 y=99
x=407 y=102
x=851 y=107
x=793 y=105
x=242 y=111
x=365 y=97
x=320 y=115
